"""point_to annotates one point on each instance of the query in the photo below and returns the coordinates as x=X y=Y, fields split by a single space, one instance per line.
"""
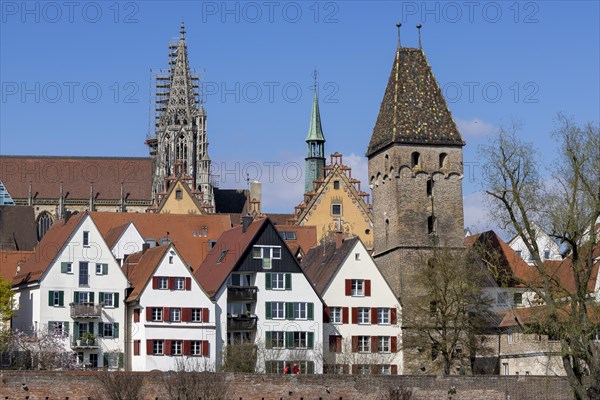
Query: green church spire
x=315 y=132
x=315 y=141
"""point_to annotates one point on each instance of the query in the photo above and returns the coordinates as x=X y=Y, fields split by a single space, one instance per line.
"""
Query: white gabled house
x=73 y=286
x=549 y=249
x=263 y=298
x=124 y=240
x=362 y=330
x=170 y=317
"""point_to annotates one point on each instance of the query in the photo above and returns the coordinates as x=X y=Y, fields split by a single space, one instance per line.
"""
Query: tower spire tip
x=398 y=25
x=419 y=26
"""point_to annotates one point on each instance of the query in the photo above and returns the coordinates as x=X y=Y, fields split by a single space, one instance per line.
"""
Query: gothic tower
x=180 y=146
x=415 y=169
x=315 y=157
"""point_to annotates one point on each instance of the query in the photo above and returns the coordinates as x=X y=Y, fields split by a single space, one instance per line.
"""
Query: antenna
x=419 y=26
x=398 y=25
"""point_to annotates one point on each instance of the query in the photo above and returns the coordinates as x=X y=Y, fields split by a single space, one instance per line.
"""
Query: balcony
x=85 y=343
x=241 y=323
x=241 y=293
x=86 y=310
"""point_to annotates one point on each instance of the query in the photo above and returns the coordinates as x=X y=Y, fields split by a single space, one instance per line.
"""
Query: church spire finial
x=398 y=25
x=315 y=76
x=182 y=30
x=419 y=26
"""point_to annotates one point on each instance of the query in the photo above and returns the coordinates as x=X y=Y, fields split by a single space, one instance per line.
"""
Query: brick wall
x=85 y=385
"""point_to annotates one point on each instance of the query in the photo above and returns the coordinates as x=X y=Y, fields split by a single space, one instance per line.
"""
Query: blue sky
x=75 y=78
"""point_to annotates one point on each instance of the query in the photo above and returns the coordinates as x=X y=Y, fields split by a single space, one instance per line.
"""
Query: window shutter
x=310 y=336
x=268 y=312
x=75 y=330
x=326 y=312
x=205 y=352
x=66 y=328
x=394 y=344
x=121 y=360
x=374 y=316
x=186 y=314
x=310 y=311
x=289 y=310
x=91 y=327
x=136 y=347
x=166 y=314
x=64 y=267
x=345 y=315
x=188 y=283
x=148 y=313
x=167 y=347
x=100 y=329
x=50 y=298
x=104 y=269
x=394 y=369
x=348 y=287
x=310 y=367
x=76 y=297
x=136 y=315
x=345 y=369
x=172 y=282
x=205 y=315
x=61 y=298
x=289 y=340
x=393 y=317
x=288 y=281
x=105 y=360
x=268 y=343
x=155 y=282
x=374 y=344
x=149 y=347
x=116 y=300
x=187 y=348
x=354 y=369
x=101 y=298
x=367 y=287
x=354 y=344
x=116 y=330
x=268 y=281
x=92 y=297
x=355 y=315
x=50 y=326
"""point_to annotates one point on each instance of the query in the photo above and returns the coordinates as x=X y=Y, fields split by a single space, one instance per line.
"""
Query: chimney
x=246 y=221
x=145 y=247
x=339 y=239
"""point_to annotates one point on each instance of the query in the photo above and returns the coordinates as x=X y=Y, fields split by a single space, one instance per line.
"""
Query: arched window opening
x=415 y=159
x=43 y=224
x=443 y=160
x=429 y=187
x=431 y=222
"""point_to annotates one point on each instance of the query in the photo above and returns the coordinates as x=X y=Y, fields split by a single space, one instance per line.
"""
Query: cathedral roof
x=413 y=109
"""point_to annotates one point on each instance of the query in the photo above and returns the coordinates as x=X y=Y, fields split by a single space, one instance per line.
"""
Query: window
x=385 y=370
x=357 y=256
x=363 y=369
x=109 y=330
x=163 y=282
x=157 y=314
x=278 y=281
x=300 y=311
x=175 y=315
x=277 y=340
x=267 y=254
x=43 y=224
x=383 y=344
x=222 y=256
x=170 y=259
x=86 y=238
x=429 y=187
x=93 y=360
x=179 y=194
x=288 y=235
x=196 y=315
x=157 y=347
x=56 y=298
x=101 y=269
x=84 y=297
x=546 y=254
x=179 y=283
x=108 y=300
x=278 y=310
x=518 y=299
x=505 y=368
x=364 y=344
x=336 y=185
x=443 y=160
x=66 y=267
x=58 y=328
x=502 y=298
x=336 y=209
x=335 y=344
x=364 y=315
x=358 y=287
x=383 y=316
x=176 y=347
x=415 y=159
x=84 y=277
x=431 y=222
x=335 y=315
x=241 y=280
x=196 y=347
x=300 y=340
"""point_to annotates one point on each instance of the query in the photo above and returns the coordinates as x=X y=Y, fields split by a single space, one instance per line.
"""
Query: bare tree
x=567 y=206
x=349 y=355
x=186 y=383
x=116 y=385
x=396 y=393
x=47 y=349
x=449 y=311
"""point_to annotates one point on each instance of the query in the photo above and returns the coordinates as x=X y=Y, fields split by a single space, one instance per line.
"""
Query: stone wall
x=80 y=385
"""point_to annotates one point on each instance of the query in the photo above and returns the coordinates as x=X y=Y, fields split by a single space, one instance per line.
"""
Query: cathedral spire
x=315 y=131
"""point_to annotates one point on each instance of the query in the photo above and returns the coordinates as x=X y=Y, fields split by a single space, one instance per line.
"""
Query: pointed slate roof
x=315 y=131
x=413 y=109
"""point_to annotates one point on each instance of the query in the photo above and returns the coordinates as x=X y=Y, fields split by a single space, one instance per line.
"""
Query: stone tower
x=415 y=171
x=315 y=140
x=180 y=145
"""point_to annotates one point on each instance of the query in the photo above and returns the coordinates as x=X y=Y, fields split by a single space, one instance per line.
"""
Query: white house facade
x=548 y=248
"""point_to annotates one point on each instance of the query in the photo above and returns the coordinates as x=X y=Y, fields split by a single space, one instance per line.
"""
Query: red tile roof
x=76 y=173
x=529 y=315
x=10 y=260
x=47 y=250
x=179 y=228
x=140 y=267
x=306 y=237
x=212 y=275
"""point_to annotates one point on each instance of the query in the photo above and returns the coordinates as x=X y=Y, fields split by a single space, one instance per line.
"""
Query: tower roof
x=315 y=131
x=413 y=109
